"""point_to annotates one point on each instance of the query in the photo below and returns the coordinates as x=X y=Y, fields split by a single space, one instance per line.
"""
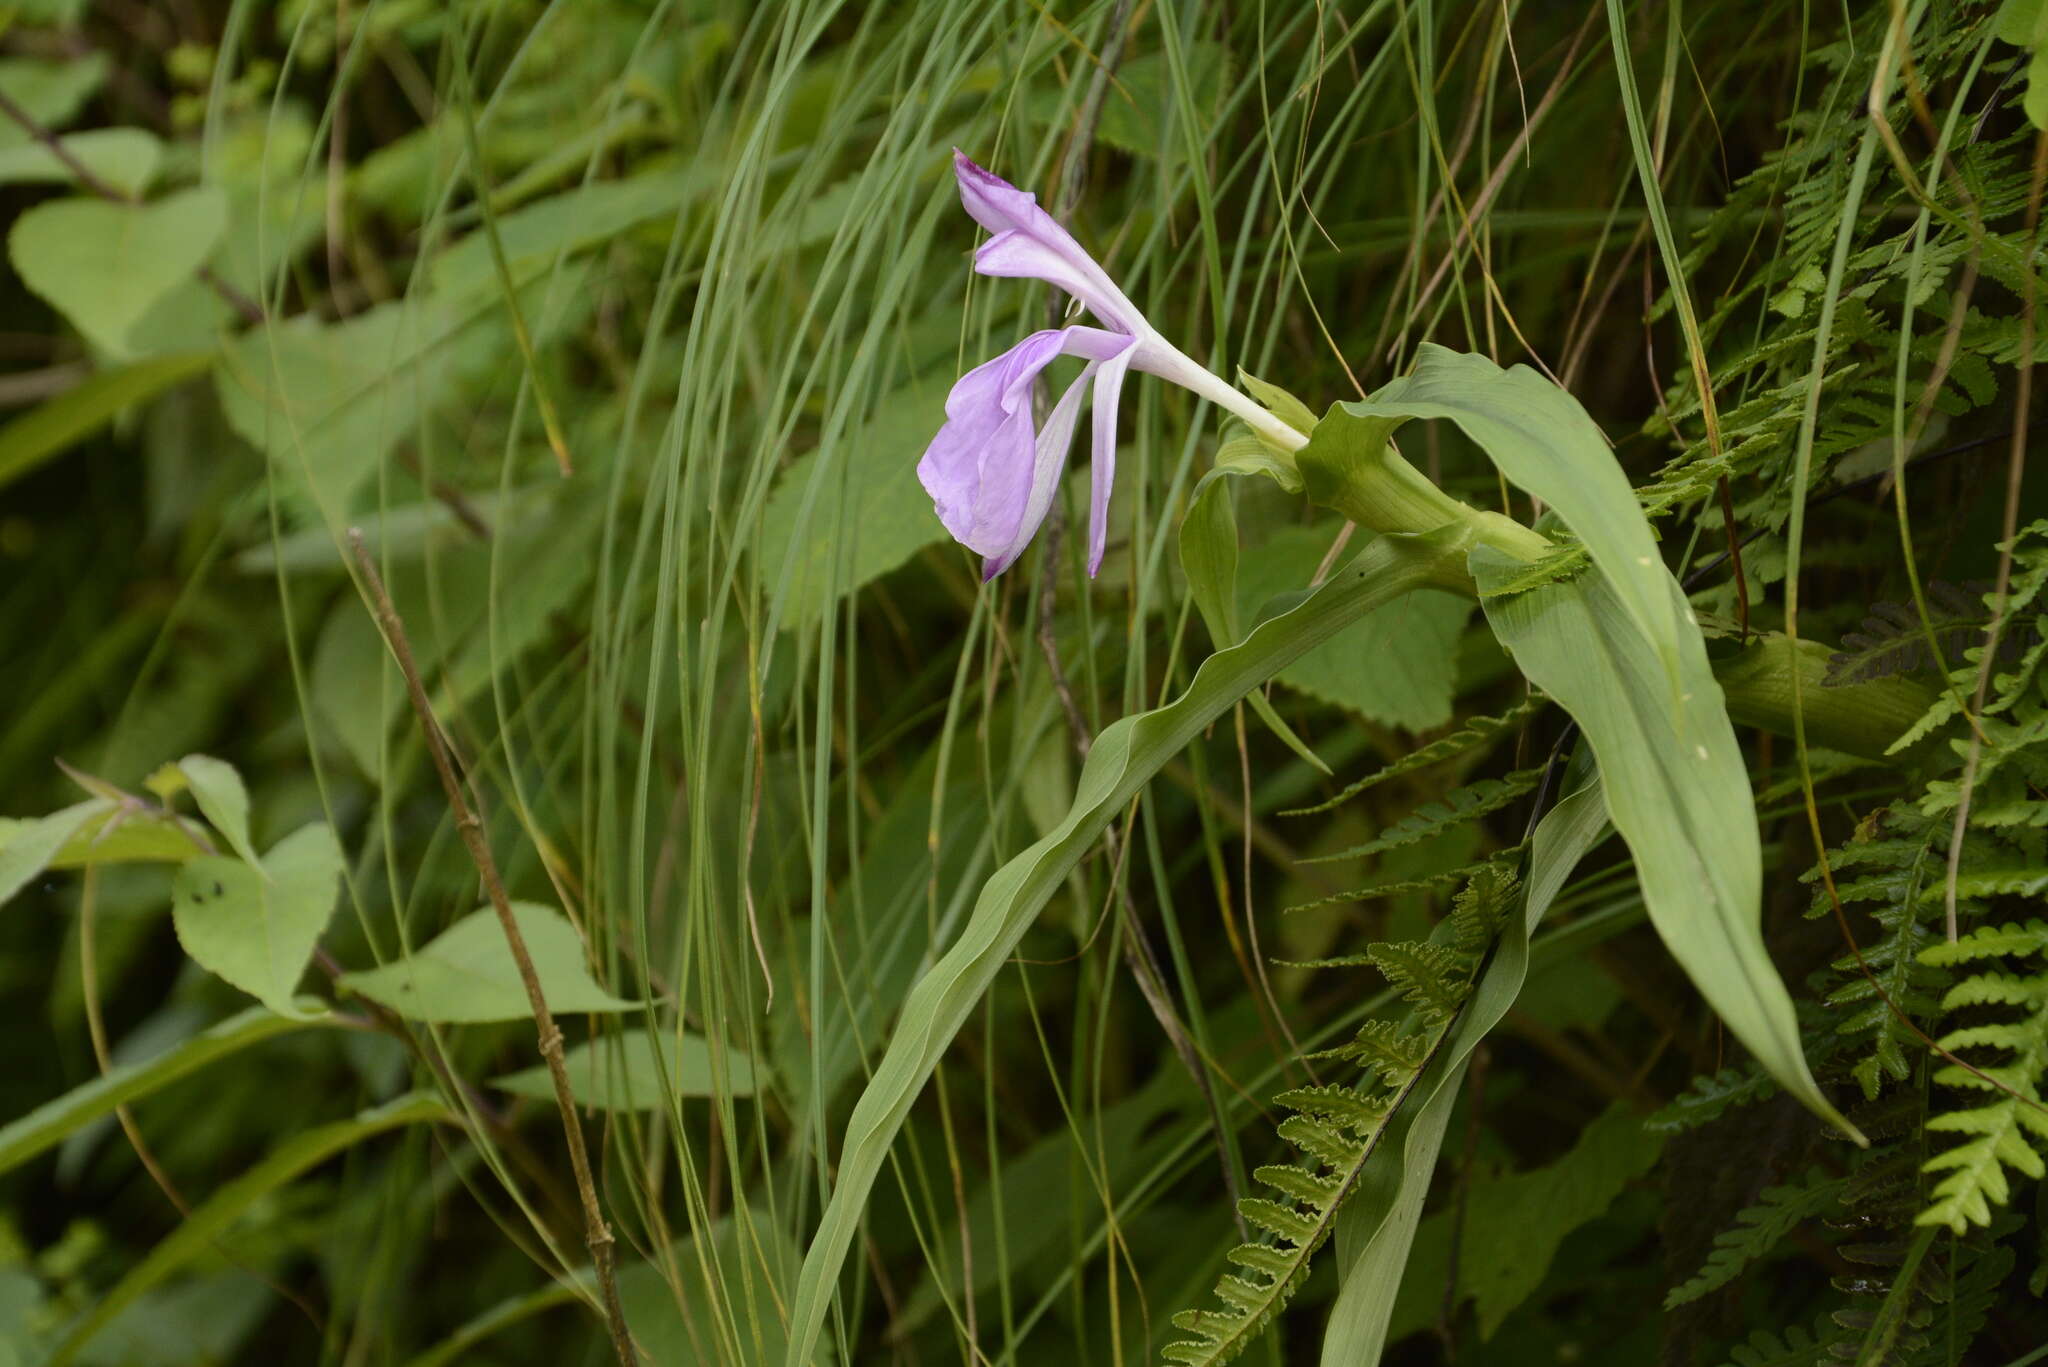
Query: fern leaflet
x=2006 y=1132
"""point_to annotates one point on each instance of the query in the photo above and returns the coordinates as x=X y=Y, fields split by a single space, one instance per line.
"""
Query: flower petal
x=1004 y=209
x=1050 y=459
x=1109 y=384
x=978 y=468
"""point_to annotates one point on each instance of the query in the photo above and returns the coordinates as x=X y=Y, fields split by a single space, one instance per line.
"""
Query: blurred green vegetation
x=618 y=326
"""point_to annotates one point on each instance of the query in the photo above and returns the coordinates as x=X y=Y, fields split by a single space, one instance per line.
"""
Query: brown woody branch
x=596 y=1234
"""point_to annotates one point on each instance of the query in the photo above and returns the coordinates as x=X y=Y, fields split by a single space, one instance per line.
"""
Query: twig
x=91 y=180
x=596 y=1234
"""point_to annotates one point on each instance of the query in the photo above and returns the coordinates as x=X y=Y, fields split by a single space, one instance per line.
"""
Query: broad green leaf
x=402 y=533
x=27 y=847
x=326 y=401
x=50 y=92
x=467 y=974
x=1377 y=1228
x=844 y=516
x=460 y=637
x=676 y=1319
x=1542 y=440
x=125 y=158
x=200 y=1232
x=104 y=265
x=572 y=221
x=1398 y=666
x=1279 y=402
x=1112 y=1148
x=53 y=427
x=222 y=799
x=58 y=1119
x=256 y=926
x=1123 y=760
x=624 y=1072
x=2024 y=23
x=1515 y=1223
x=1677 y=790
x=124 y=835
x=1208 y=556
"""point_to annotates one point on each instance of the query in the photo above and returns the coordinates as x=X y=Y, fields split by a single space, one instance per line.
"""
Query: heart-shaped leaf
x=257 y=926
x=467 y=973
x=104 y=265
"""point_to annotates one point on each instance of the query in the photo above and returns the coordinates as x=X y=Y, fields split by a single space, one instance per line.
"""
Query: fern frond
x=1401 y=887
x=1894 y=641
x=1337 y=1129
x=1458 y=807
x=2010 y=1130
x=1797 y=1348
x=1891 y=872
x=1481 y=909
x=1429 y=977
x=1387 y=1047
x=1473 y=734
x=1711 y=1095
x=1758 y=1229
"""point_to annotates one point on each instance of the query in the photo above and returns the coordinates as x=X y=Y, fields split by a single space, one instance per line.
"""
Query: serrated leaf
x=256 y=926
x=28 y=846
x=466 y=974
x=222 y=799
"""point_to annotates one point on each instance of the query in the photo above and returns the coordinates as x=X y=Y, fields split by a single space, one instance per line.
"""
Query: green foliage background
x=618 y=326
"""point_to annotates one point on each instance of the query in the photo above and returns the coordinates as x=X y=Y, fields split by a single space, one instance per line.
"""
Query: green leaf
x=50 y=92
x=222 y=799
x=2024 y=23
x=846 y=514
x=326 y=401
x=533 y=236
x=27 y=847
x=1208 y=556
x=124 y=835
x=104 y=265
x=125 y=158
x=1123 y=760
x=201 y=1231
x=1677 y=790
x=467 y=974
x=56 y=1120
x=49 y=429
x=1515 y=1223
x=624 y=1072
x=1542 y=440
x=256 y=925
x=1398 y=666
x=1279 y=402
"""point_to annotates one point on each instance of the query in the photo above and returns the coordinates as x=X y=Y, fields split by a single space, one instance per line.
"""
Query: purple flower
x=991 y=471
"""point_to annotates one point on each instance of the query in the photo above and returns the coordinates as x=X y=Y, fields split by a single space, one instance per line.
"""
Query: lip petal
x=978 y=467
x=1049 y=458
